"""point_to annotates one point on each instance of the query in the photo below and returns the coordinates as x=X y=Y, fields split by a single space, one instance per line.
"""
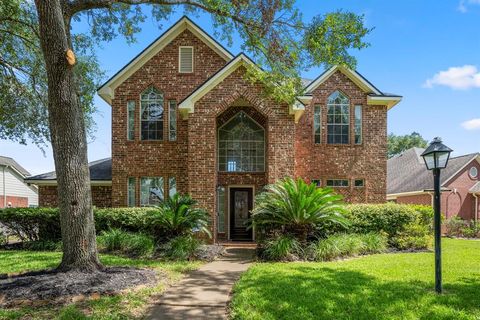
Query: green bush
x=181 y=247
x=131 y=244
x=347 y=245
x=128 y=219
x=455 y=226
x=297 y=207
x=42 y=245
x=32 y=224
x=282 y=247
x=415 y=236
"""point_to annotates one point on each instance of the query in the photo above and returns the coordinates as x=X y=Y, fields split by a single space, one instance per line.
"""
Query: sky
x=427 y=51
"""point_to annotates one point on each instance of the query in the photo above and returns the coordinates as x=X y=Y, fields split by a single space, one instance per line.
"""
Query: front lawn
x=383 y=286
x=126 y=306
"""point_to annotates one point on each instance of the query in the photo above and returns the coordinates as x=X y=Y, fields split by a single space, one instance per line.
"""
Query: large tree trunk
x=67 y=130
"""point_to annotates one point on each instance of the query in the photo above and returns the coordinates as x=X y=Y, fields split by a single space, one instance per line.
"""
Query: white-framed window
x=221 y=209
x=185 y=59
x=172 y=186
x=131 y=192
x=473 y=172
x=151 y=191
x=337 y=183
x=151 y=114
x=359 y=183
x=241 y=145
x=338 y=118
x=317 y=123
x=131 y=120
x=172 y=120
x=358 y=124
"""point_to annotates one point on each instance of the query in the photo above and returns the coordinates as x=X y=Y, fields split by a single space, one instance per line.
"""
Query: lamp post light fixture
x=436 y=158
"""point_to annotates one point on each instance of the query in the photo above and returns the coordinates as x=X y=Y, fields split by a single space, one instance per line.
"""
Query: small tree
x=297 y=207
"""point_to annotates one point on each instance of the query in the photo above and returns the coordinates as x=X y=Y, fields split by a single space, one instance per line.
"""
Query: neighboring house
x=410 y=182
x=184 y=118
x=13 y=190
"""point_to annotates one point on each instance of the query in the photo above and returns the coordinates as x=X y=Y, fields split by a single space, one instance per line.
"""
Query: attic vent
x=185 y=60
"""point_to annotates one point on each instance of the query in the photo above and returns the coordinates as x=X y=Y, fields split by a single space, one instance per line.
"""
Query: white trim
x=228 y=205
x=393 y=196
x=475 y=157
x=180 y=60
x=54 y=182
x=296 y=109
x=390 y=102
x=351 y=74
x=107 y=91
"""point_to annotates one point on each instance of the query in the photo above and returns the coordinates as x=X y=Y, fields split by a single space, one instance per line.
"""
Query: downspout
x=4 y=190
x=476 y=208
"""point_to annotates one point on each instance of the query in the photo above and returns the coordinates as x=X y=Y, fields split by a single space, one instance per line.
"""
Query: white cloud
x=473 y=124
x=463 y=5
x=462 y=78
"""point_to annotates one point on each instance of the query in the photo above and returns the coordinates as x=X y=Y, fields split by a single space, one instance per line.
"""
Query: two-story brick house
x=185 y=119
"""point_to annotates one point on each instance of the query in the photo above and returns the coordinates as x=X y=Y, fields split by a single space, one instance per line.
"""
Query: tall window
x=221 y=209
x=131 y=120
x=172 y=186
x=358 y=124
x=172 y=120
x=338 y=118
x=317 y=124
x=151 y=191
x=151 y=104
x=131 y=192
x=241 y=145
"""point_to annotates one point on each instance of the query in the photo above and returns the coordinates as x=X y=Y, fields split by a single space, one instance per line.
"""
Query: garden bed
x=51 y=287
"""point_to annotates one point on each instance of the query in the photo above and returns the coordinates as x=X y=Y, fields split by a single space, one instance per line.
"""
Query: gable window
x=131 y=192
x=131 y=120
x=185 y=59
x=151 y=105
x=151 y=191
x=241 y=145
x=337 y=183
x=172 y=120
x=317 y=123
x=338 y=118
x=473 y=172
x=358 y=124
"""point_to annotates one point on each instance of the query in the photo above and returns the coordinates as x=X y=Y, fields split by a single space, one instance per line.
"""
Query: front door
x=241 y=202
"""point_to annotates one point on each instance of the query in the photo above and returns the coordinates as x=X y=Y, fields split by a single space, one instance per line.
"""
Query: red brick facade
x=16 y=202
x=101 y=196
x=192 y=159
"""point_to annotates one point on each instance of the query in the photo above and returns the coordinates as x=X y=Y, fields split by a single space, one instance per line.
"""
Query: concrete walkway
x=204 y=293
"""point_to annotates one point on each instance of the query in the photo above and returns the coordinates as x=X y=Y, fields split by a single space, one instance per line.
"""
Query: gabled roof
x=475 y=189
x=188 y=104
x=9 y=162
x=375 y=96
x=106 y=91
x=100 y=173
x=406 y=173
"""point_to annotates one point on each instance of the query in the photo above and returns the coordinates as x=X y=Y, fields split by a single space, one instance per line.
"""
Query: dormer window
x=185 y=59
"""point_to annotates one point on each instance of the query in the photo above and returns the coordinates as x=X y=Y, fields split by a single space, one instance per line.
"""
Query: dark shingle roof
x=407 y=172
x=7 y=161
x=99 y=170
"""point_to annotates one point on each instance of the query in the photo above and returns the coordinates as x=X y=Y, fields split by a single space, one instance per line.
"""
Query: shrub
x=347 y=245
x=128 y=219
x=393 y=219
x=3 y=238
x=282 y=247
x=414 y=237
x=131 y=244
x=43 y=245
x=32 y=224
x=181 y=247
x=297 y=207
x=455 y=226
x=177 y=216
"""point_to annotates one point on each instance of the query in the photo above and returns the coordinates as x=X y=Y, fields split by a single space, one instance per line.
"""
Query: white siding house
x=13 y=189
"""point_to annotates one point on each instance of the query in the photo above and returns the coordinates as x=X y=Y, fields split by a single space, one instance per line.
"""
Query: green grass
x=383 y=286
x=131 y=305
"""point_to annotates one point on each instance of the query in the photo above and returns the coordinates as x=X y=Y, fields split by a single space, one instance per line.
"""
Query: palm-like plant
x=297 y=207
x=177 y=216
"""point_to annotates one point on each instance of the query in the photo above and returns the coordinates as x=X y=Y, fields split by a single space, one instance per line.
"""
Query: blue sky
x=426 y=51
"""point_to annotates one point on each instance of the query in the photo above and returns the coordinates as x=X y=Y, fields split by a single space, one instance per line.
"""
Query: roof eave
x=389 y=101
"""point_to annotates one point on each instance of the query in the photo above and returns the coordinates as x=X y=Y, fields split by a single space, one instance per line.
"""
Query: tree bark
x=68 y=137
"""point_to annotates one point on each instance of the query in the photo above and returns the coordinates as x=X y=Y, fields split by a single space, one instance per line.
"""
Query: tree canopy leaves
x=398 y=144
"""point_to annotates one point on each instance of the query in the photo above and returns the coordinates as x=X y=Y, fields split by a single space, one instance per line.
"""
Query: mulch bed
x=51 y=287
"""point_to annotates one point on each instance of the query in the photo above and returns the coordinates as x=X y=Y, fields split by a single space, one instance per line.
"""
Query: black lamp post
x=436 y=158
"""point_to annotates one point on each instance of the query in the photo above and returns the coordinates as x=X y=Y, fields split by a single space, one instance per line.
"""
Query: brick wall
x=101 y=196
x=157 y=158
x=366 y=161
x=17 y=202
x=424 y=199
